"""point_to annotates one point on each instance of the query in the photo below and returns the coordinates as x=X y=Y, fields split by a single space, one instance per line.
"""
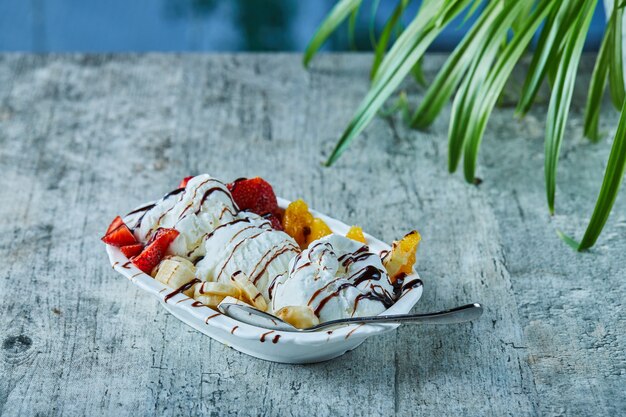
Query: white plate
x=285 y=347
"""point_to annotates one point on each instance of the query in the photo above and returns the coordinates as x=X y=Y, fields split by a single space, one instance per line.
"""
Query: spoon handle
x=461 y=314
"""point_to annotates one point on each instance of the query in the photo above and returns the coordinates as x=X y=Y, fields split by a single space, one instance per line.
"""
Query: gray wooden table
x=83 y=138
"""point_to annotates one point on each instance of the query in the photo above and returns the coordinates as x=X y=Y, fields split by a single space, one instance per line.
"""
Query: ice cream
x=336 y=277
x=250 y=245
x=195 y=211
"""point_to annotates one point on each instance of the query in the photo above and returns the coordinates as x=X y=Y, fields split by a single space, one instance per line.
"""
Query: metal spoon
x=255 y=317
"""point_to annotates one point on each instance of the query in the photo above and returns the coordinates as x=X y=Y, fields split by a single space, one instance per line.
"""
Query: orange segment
x=297 y=222
x=356 y=233
x=318 y=229
x=401 y=259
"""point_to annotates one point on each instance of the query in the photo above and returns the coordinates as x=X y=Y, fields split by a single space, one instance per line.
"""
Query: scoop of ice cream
x=195 y=211
x=250 y=245
x=337 y=278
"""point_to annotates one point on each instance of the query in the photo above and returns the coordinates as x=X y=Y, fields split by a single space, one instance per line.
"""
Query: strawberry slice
x=117 y=222
x=132 y=250
x=120 y=236
x=276 y=224
x=152 y=254
x=184 y=182
x=255 y=195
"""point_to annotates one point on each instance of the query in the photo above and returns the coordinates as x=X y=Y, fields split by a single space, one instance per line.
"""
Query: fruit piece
x=180 y=259
x=120 y=236
x=213 y=293
x=249 y=292
x=155 y=250
x=175 y=273
x=218 y=288
x=301 y=317
x=297 y=222
x=117 y=222
x=319 y=229
x=276 y=224
x=132 y=250
x=356 y=233
x=238 y=301
x=210 y=300
x=184 y=182
x=399 y=261
x=255 y=195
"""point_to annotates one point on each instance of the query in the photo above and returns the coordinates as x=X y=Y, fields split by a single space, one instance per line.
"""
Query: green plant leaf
x=418 y=74
x=352 y=27
x=544 y=55
x=401 y=105
x=523 y=15
x=473 y=8
x=337 y=15
x=613 y=176
x=450 y=75
x=573 y=8
x=495 y=82
x=561 y=96
x=616 y=68
x=571 y=242
x=468 y=97
x=385 y=36
x=432 y=15
x=406 y=51
x=597 y=86
x=372 y=23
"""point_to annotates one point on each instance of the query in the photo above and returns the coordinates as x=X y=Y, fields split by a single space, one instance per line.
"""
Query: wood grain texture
x=83 y=138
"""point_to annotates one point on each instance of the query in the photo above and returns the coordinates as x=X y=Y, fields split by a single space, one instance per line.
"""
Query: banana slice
x=179 y=259
x=249 y=293
x=210 y=300
x=212 y=293
x=301 y=317
x=175 y=273
x=218 y=288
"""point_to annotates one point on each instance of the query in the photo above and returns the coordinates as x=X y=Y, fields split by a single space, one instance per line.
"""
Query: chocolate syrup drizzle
x=145 y=209
x=368 y=273
x=220 y=188
x=209 y=235
x=284 y=249
x=233 y=252
x=206 y=321
x=181 y=289
x=262 y=339
x=270 y=289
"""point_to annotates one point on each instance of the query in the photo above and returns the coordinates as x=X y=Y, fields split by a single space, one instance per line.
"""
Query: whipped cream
x=195 y=211
x=336 y=277
x=250 y=245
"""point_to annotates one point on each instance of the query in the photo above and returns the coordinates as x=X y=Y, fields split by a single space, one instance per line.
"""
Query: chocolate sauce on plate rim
x=274 y=339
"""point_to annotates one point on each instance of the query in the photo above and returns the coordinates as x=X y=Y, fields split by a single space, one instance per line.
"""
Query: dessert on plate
x=211 y=240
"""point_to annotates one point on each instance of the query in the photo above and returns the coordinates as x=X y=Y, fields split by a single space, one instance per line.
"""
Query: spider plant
x=475 y=73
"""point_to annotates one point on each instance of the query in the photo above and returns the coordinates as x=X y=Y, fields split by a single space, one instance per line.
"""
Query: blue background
x=195 y=25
